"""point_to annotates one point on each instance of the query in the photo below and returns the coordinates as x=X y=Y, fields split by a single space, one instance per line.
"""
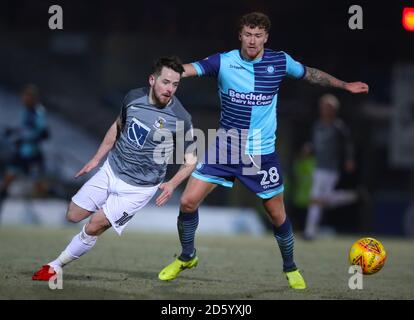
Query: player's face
x=164 y=86
x=252 y=42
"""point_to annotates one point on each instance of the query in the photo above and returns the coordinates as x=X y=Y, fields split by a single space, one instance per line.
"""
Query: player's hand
x=357 y=87
x=88 y=167
x=167 y=191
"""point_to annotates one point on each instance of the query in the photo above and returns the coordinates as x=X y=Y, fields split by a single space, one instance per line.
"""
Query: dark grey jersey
x=147 y=138
x=331 y=143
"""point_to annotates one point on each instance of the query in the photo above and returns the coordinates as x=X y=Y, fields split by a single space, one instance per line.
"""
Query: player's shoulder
x=231 y=53
x=275 y=54
x=179 y=110
x=135 y=94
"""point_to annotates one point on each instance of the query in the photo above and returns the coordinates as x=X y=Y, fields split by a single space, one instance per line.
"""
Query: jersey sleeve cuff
x=198 y=68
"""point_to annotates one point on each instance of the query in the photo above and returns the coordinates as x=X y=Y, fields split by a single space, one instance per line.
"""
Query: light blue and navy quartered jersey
x=248 y=93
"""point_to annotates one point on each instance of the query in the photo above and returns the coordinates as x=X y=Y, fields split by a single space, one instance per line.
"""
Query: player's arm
x=316 y=76
x=183 y=173
x=106 y=145
x=189 y=70
x=209 y=67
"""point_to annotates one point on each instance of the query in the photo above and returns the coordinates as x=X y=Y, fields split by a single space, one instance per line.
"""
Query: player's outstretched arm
x=104 y=148
x=189 y=70
x=183 y=173
x=321 y=78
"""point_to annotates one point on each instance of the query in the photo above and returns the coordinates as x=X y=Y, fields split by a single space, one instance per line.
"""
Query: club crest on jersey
x=159 y=123
x=270 y=69
x=138 y=133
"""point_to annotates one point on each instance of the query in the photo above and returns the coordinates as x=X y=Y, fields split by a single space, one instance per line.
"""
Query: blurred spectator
x=303 y=167
x=24 y=155
x=333 y=148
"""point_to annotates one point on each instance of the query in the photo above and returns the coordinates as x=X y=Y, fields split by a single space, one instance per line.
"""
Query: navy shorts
x=262 y=175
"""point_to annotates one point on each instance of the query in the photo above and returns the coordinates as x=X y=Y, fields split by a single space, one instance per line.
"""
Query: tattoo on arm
x=321 y=78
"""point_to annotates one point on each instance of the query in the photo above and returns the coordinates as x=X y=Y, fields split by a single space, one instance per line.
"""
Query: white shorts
x=118 y=199
x=323 y=183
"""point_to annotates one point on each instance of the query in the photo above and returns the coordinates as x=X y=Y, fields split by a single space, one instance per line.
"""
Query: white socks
x=80 y=244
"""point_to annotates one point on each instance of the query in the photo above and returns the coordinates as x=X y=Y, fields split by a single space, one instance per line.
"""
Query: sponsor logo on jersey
x=138 y=133
x=250 y=98
x=232 y=66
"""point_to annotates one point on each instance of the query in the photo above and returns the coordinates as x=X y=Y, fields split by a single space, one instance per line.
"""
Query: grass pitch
x=242 y=267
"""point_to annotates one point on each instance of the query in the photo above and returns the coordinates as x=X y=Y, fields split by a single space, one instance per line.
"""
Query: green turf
x=243 y=267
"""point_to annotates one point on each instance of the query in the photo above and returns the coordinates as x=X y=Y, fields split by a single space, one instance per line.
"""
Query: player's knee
x=187 y=204
x=75 y=213
x=94 y=228
x=97 y=225
x=72 y=217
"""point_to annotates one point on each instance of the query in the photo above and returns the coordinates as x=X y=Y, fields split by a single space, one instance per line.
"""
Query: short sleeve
x=210 y=66
x=294 y=69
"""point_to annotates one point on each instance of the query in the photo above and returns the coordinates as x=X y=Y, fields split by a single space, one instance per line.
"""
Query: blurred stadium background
x=106 y=48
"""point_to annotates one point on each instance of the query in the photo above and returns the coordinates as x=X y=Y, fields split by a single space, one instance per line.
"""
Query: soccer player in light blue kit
x=248 y=81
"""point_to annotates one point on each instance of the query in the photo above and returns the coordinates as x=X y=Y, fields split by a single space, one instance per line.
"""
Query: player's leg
x=76 y=214
x=187 y=222
x=282 y=229
x=202 y=181
x=83 y=241
x=119 y=208
x=80 y=244
x=90 y=198
x=283 y=233
x=266 y=180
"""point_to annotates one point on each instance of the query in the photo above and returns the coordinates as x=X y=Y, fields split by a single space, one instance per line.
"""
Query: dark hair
x=171 y=62
x=255 y=19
